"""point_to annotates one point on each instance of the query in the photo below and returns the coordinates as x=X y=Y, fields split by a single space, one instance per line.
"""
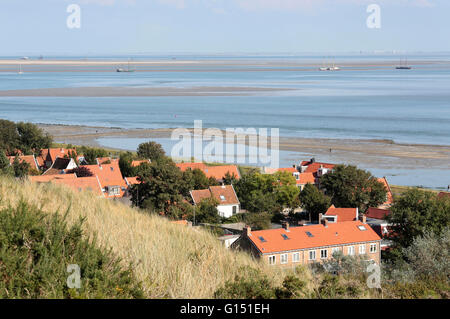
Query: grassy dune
x=172 y=261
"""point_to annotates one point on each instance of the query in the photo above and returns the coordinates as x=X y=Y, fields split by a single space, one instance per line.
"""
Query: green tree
x=21 y=169
x=32 y=138
x=258 y=221
x=415 y=213
x=230 y=179
x=349 y=186
x=314 y=201
x=206 y=211
x=125 y=162
x=196 y=179
x=151 y=150
x=91 y=154
x=161 y=186
x=9 y=137
x=5 y=167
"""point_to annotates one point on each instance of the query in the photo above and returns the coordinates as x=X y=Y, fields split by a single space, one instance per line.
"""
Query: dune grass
x=171 y=261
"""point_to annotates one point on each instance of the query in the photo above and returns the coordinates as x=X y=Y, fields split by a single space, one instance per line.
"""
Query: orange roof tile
x=30 y=159
x=314 y=167
x=48 y=178
x=224 y=194
x=132 y=180
x=137 y=163
x=50 y=154
x=109 y=175
x=217 y=172
x=82 y=183
x=343 y=214
x=377 y=213
x=333 y=234
x=306 y=178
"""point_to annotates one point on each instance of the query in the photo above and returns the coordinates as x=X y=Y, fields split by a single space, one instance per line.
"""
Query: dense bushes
x=36 y=248
x=26 y=137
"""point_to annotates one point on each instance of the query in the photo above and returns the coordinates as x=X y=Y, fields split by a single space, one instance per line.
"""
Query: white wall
x=227 y=210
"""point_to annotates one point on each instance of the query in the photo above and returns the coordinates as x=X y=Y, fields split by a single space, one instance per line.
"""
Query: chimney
x=324 y=222
x=247 y=231
x=320 y=218
x=286 y=226
x=364 y=219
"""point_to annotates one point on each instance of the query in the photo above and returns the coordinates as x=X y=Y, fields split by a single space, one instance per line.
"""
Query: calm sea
x=377 y=102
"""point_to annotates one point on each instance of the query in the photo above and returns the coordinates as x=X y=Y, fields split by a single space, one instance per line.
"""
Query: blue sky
x=221 y=26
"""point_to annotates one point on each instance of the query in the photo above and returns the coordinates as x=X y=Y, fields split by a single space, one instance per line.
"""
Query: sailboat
x=323 y=67
x=403 y=66
x=20 y=69
x=125 y=70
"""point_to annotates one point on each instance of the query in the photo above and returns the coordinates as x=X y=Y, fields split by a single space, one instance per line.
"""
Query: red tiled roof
x=225 y=195
x=377 y=213
x=333 y=234
x=50 y=154
x=103 y=160
x=314 y=167
x=48 y=178
x=390 y=198
x=306 y=178
x=343 y=214
x=109 y=175
x=82 y=183
x=217 y=172
x=180 y=222
x=137 y=163
x=132 y=180
x=30 y=159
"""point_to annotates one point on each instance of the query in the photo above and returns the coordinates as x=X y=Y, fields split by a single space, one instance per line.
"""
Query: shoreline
x=383 y=154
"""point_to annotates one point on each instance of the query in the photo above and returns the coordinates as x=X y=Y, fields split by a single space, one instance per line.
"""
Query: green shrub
x=36 y=248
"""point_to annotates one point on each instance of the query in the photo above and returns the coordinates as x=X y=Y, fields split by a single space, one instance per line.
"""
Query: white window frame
x=362 y=249
x=335 y=250
x=295 y=257
x=283 y=256
x=312 y=252
x=351 y=250
x=373 y=248
x=272 y=260
x=321 y=253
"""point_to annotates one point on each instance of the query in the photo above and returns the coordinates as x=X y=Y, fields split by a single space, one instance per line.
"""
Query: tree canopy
x=314 y=201
x=349 y=186
x=151 y=150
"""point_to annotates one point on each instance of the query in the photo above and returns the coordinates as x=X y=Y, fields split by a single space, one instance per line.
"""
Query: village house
x=47 y=156
x=60 y=166
x=337 y=215
x=110 y=177
x=217 y=172
x=77 y=183
x=291 y=246
x=376 y=219
x=301 y=179
x=229 y=204
x=29 y=159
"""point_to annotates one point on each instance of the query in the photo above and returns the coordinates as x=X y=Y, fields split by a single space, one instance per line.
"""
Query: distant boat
x=20 y=69
x=332 y=67
x=25 y=58
x=403 y=66
x=128 y=69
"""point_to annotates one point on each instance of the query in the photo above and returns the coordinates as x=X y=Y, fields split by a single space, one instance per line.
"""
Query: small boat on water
x=331 y=67
x=128 y=69
x=20 y=69
x=403 y=66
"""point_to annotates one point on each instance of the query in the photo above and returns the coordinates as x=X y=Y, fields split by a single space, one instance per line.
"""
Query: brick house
x=291 y=246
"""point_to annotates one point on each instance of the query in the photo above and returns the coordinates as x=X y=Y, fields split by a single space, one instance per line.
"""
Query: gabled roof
x=132 y=181
x=224 y=194
x=82 y=183
x=30 y=159
x=109 y=175
x=320 y=236
x=137 y=163
x=390 y=197
x=103 y=160
x=59 y=165
x=306 y=178
x=377 y=213
x=50 y=154
x=313 y=167
x=48 y=178
x=343 y=214
x=217 y=172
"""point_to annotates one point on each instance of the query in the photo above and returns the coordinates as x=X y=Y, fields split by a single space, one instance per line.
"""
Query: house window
x=312 y=255
x=272 y=260
x=373 y=248
x=295 y=257
x=114 y=191
x=351 y=250
x=362 y=249
x=284 y=259
x=234 y=210
x=324 y=253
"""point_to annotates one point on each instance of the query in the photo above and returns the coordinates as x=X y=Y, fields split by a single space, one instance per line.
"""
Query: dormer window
x=222 y=197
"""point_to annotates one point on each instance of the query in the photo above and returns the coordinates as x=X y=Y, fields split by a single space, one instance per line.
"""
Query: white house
x=229 y=204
